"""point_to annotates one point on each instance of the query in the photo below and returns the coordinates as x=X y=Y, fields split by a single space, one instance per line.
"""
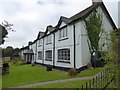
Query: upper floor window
x=40 y=55
x=63 y=33
x=64 y=55
x=40 y=42
x=48 y=39
x=48 y=55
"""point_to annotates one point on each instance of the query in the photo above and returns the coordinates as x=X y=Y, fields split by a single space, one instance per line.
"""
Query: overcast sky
x=31 y=16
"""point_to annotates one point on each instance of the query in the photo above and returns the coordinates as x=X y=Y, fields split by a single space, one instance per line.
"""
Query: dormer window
x=63 y=33
x=48 y=39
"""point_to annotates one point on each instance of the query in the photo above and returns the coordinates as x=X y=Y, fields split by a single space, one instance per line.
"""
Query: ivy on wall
x=93 y=25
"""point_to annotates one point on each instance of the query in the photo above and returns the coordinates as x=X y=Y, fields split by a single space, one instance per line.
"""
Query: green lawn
x=71 y=84
x=0 y=82
x=24 y=74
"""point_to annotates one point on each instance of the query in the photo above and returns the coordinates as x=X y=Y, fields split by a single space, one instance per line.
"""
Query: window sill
x=39 y=45
x=63 y=39
x=40 y=59
x=48 y=60
x=48 y=43
x=64 y=61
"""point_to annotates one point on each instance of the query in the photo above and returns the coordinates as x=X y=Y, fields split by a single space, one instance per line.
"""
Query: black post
x=82 y=87
x=86 y=86
x=74 y=45
x=93 y=83
x=101 y=80
x=96 y=82
x=90 y=84
x=53 y=50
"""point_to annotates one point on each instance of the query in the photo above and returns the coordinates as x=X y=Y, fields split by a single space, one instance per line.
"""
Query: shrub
x=89 y=65
x=72 y=72
x=33 y=64
x=18 y=62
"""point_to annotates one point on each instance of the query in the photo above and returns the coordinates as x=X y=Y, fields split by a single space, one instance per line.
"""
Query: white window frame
x=40 y=55
x=40 y=42
x=49 y=39
x=48 y=57
x=64 y=55
x=63 y=33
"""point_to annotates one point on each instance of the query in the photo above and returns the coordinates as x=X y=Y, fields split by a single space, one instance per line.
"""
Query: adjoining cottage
x=65 y=45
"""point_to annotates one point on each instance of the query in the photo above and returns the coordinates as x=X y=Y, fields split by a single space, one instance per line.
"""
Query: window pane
x=40 y=55
x=64 y=54
x=49 y=55
x=63 y=33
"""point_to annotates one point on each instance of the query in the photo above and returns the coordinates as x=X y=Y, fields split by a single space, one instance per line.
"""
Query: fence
x=101 y=81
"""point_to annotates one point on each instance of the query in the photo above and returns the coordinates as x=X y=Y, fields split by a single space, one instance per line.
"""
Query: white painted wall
x=48 y=47
x=39 y=48
x=22 y=54
x=68 y=43
x=33 y=47
x=108 y=28
x=82 y=50
x=62 y=24
x=78 y=32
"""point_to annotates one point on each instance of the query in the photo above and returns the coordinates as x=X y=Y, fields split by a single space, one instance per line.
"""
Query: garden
x=26 y=74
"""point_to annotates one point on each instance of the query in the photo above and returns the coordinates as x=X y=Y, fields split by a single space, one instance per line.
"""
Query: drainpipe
x=36 y=52
x=53 y=50
x=74 y=45
x=43 y=52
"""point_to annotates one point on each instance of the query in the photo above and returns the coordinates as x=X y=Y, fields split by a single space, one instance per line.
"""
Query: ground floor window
x=40 y=55
x=64 y=55
x=48 y=55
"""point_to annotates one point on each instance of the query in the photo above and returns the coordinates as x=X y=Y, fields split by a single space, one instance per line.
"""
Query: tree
x=93 y=25
x=16 y=51
x=115 y=49
x=3 y=33
x=8 y=52
x=4 y=28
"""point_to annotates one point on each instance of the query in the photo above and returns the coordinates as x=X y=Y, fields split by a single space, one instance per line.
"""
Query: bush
x=5 y=68
x=89 y=65
x=18 y=62
x=33 y=64
x=72 y=72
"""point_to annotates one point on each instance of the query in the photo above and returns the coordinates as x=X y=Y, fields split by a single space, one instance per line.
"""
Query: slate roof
x=40 y=34
x=50 y=29
x=30 y=51
x=83 y=14
x=26 y=47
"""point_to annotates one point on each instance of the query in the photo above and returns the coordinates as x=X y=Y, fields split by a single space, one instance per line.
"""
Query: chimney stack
x=29 y=43
x=95 y=1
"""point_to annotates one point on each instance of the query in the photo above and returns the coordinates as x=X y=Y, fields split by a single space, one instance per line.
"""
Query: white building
x=65 y=45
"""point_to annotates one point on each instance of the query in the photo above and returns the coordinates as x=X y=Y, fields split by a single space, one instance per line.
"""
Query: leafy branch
x=93 y=25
